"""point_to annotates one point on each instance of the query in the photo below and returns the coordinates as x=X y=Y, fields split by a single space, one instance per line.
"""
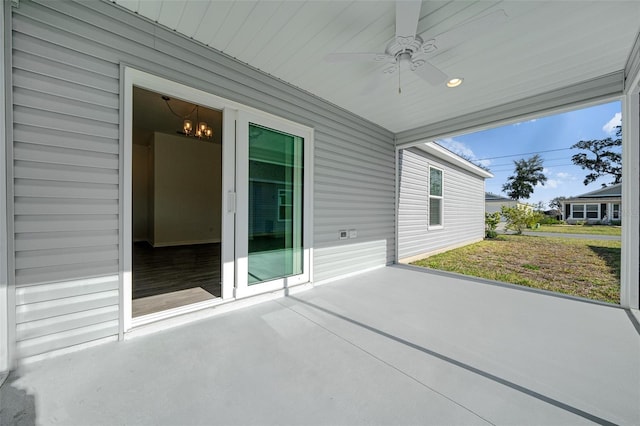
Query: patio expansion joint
x=532 y=393
x=377 y=358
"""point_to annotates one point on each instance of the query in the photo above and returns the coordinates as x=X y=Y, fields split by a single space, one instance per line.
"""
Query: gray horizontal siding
x=66 y=70
x=66 y=131
x=463 y=210
x=57 y=315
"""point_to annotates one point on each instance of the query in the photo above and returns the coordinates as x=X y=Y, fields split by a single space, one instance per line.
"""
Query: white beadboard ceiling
x=543 y=45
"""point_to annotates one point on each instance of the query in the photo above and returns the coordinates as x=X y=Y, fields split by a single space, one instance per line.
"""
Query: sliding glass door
x=275 y=204
x=272 y=185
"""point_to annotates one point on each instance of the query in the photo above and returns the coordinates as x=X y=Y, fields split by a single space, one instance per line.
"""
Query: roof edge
x=446 y=155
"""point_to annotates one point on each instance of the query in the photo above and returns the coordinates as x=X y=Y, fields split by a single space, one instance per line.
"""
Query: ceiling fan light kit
x=455 y=82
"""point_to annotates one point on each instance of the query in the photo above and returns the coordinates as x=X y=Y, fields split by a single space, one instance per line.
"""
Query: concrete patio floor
x=395 y=346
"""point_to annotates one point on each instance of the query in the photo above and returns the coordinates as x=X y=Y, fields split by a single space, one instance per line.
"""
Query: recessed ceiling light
x=454 y=82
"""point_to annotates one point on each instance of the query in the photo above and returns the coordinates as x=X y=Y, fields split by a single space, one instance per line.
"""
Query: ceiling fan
x=413 y=50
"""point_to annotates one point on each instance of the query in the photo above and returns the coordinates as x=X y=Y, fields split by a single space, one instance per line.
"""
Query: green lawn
x=579 y=267
x=580 y=229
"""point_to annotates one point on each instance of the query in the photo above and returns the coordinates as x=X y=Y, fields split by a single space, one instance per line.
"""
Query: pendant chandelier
x=201 y=130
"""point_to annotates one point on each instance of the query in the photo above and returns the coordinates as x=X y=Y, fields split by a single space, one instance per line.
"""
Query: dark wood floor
x=167 y=269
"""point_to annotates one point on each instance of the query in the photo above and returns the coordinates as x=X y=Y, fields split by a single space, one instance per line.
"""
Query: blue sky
x=498 y=148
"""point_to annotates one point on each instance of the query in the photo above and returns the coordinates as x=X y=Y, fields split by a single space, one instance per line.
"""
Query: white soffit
x=543 y=46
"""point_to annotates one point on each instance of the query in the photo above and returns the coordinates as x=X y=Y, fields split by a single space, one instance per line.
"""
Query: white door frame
x=242 y=188
x=131 y=77
x=231 y=111
x=4 y=275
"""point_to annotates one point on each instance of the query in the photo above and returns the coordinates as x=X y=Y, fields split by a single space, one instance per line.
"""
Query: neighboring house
x=601 y=205
x=311 y=175
x=440 y=202
x=554 y=214
x=493 y=203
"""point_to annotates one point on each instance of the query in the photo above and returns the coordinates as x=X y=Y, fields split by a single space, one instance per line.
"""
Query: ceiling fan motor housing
x=410 y=49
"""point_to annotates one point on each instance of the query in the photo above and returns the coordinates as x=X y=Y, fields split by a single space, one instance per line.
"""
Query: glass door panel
x=274 y=204
x=276 y=166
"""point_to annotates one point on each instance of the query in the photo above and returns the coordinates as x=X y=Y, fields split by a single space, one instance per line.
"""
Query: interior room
x=176 y=193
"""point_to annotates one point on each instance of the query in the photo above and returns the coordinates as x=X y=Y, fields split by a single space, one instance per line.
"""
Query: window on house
x=578 y=211
x=435 y=197
x=592 y=211
x=615 y=211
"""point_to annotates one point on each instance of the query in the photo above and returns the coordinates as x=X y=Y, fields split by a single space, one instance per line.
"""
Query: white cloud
x=462 y=149
x=611 y=125
x=524 y=122
x=549 y=184
x=563 y=175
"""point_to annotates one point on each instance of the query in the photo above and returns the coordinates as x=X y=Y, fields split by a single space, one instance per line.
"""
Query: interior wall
x=187 y=190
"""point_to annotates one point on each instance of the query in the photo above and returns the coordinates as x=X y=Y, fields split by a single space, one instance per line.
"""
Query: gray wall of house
x=463 y=195
x=496 y=207
x=66 y=86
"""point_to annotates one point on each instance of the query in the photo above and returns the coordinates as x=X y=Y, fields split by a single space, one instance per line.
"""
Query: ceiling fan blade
x=375 y=83
x=431 y=74
x=407 y=16
x=467 y=30
x=358 y=57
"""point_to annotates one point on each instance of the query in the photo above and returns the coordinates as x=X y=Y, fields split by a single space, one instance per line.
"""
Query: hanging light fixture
x=202 y=131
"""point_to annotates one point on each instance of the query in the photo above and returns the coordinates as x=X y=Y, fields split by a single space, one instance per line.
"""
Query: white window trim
x=586 y=210
x=573 y=210
x=440 y=197
x=613 y=211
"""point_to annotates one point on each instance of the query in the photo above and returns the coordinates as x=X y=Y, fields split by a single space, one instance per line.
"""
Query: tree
x=519 y=218
x=606 y=160
x=527 y=174
x=556 y=203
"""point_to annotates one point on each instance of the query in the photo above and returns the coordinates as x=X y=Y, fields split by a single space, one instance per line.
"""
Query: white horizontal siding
x=67 y=58
x=463 y=208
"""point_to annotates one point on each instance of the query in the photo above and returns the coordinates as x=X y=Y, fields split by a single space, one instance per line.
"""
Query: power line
x=544 y=159
x=546 y=167
x=524 y=153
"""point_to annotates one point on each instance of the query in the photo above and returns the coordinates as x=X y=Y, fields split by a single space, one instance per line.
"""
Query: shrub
x=547 y=220
x=520 y=219
x=491 y=221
